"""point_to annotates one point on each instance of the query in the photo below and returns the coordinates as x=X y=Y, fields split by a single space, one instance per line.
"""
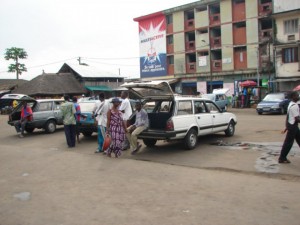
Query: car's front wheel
x=50 y=126
x=191 y=139
x=230 y=129
x=149 y=142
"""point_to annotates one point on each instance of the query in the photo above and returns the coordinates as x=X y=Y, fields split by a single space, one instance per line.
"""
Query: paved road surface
x=43 y=182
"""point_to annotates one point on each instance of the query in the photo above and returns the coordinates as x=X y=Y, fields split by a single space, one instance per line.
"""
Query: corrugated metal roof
x=88 y=71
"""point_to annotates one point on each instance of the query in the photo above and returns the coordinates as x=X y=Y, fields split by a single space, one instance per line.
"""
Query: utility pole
x=210 y=69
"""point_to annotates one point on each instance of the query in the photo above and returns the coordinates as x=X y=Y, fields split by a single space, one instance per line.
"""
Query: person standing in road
x=141 y=123
x=116 y=128
x=125 y=108
x=293 y=133
x=68 y=115
x=77 y=116
x=26 y=115
x=100 y=115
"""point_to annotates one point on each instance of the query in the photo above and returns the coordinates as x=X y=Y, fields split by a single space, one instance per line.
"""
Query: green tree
x=16 y=54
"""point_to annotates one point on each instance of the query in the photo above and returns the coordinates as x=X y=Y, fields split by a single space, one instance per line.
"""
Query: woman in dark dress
x=116 y=128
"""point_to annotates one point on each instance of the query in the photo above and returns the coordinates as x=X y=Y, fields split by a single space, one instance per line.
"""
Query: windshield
x=274 y=97
x=87 y=106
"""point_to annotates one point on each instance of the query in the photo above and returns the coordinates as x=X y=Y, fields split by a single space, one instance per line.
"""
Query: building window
x=171 y=60
x=169 y=19
x=290 y=55
x=291 y=26
x=170 y=39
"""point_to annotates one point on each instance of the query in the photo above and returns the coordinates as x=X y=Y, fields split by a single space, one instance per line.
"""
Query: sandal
x=284 y=161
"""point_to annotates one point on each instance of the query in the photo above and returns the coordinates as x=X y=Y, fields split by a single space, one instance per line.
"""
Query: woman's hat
x=116 y=100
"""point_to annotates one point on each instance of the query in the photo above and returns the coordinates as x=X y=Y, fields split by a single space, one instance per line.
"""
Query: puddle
x=23 y=196
x=25 y=174
x=267 y=161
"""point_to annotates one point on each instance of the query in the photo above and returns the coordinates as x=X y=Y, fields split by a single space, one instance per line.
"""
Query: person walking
x=26 y=115
x=100 y=114
x=78 y=115
x=115 y=128
x=141 y=123
x=126 y=109
x=293 y=133
x=69 y=121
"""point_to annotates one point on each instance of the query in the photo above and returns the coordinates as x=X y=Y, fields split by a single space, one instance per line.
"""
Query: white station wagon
x=173 y=117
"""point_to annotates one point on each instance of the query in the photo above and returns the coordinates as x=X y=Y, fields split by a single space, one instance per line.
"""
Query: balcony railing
x=265 y=9
x=191 y=67
x=216 y=42
x=190 y=45
x=189 y=24
x=265 y=34
x=214 y=19
x=216 y=65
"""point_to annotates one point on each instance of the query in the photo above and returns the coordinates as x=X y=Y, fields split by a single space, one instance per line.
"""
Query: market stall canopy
x=248 y=83
x=297 y=88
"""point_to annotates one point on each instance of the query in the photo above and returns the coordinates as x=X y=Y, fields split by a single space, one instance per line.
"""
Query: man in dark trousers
x=68 y=114
x=292 y=129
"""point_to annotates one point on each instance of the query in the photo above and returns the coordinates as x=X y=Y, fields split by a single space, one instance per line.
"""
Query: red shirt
x=26 y=112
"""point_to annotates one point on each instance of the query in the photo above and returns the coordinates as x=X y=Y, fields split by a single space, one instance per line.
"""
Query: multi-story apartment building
x=287 y=43
x=208 y=44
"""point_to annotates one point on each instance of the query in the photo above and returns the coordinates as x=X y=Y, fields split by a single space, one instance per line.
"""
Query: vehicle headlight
x=275 y=106
x=259 y=106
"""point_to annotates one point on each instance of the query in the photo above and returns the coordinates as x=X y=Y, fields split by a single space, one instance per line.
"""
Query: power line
x=125 y=58
x=112 y=64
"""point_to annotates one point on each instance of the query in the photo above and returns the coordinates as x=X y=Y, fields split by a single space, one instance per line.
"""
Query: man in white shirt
x=100 y=113
x=126 y=109
x=293 y=133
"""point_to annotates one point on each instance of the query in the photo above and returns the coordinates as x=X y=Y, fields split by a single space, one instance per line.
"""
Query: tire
x=230 y=129
x=29 y=129
x=50 y=126
x=87 y=133
x=259 y=113
x=149 y=142
x=191 y=139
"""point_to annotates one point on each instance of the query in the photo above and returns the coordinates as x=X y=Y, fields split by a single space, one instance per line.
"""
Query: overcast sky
x=52 y=32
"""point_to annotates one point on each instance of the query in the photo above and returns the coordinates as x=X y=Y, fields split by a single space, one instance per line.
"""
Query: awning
x=285 y=79
x=98 y=88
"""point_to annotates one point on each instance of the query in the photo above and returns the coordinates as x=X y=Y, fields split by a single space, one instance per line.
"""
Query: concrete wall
x=178 y=21
x=251 y=8
x=201 y=18
x=227 y=49
x=226 y=11
x=179 y=64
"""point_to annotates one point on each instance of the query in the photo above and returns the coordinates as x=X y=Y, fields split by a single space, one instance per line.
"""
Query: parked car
x=220 y=99
x=274 y=103
x=87 y=125
x=176 y=117
x=46 y=114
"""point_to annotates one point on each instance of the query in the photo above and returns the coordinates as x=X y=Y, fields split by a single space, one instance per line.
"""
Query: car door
x=219 y=122
x=203 y=117
x=57 y=113
x=43 y=113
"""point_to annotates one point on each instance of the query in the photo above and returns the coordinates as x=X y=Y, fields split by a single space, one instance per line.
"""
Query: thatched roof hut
x=7 y=85
x=52 y=84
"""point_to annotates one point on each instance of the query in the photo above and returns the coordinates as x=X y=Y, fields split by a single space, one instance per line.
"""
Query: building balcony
x=170 y=28
x=216 y=65
x=171 y=69
x=214 y=19
x=265 y=9
x=191 y=67
x=190 y=46
x=215 y=42
x=265 y=35
x=189 y=24
x=170 y=49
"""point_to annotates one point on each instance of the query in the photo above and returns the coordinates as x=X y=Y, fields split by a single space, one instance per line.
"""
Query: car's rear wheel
x=191 y=139
x=50 y=126
x=149 y=142
x=230 y=129
x=87 y=133
x=29 y=129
